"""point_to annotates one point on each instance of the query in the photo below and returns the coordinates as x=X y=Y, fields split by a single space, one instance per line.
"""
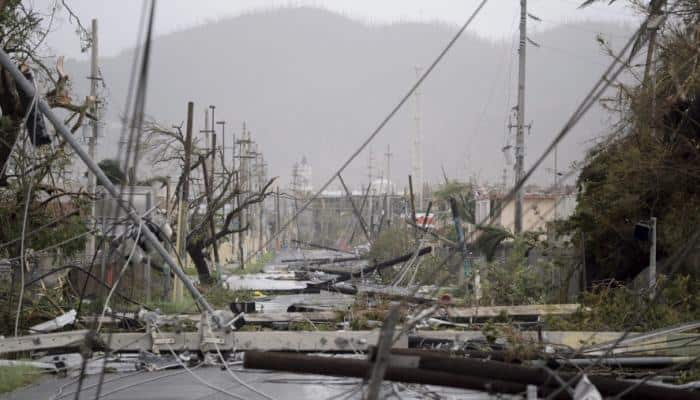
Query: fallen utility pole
x=61 y=129
x=484 y=375
x=278 y=361
x=344 y=275
x=320 y=246
x=317 y=261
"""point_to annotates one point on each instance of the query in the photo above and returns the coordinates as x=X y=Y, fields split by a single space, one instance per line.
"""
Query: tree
x=114 y=173
x=463 y=193
x=650 y=165
x=31 y=174
x=22 y=34
x=168 y=148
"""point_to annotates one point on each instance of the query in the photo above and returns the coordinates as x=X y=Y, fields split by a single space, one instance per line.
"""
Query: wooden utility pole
x=92 y=141
x=520 y=128
x=184 y=201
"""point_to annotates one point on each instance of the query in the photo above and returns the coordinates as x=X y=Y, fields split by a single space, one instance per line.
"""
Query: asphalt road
x=179 y=384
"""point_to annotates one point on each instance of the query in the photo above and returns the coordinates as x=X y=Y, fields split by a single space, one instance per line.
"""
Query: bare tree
x=168 y=150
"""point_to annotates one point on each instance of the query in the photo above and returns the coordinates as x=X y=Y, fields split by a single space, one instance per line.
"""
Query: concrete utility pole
x=243 y=155
x=184 y=201
x=261 y=179
x=92 y=141
x=520 y=132
x=213 y=151
x=277 y=217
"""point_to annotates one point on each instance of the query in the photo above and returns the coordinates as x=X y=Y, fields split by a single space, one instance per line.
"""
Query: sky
x=119 y=20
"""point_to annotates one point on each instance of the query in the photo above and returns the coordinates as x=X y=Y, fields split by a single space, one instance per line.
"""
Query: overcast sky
x=119 y=19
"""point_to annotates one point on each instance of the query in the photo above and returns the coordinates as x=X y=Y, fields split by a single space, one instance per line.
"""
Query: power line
x=379 y=128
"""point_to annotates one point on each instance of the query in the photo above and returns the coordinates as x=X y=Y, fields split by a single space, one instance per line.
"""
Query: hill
x=311 y=82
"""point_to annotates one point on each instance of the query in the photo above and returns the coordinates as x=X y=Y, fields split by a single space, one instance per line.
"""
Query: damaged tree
x=222 y=202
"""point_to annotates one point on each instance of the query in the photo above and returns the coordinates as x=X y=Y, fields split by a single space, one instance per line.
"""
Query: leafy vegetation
x=612 y=306
x=513 y=281
x=650 y=167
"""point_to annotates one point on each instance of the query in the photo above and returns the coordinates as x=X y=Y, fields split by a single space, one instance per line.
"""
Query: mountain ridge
x=315 y=83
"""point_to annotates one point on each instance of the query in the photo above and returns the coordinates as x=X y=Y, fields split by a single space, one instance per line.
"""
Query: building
x=539 y=209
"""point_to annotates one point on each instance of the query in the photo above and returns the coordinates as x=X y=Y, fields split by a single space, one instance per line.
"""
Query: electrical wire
x=197 y=377
x=121 y=274
x=89 y=275
x=26 y=210
x=56 y=245
x=378 y=129
x=237 y=379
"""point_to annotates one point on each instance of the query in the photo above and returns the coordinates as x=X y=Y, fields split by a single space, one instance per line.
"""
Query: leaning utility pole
x=92 y=140
x=520 y=128
x=184 y=201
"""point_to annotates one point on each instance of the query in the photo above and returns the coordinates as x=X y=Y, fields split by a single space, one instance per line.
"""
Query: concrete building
x=539 y=209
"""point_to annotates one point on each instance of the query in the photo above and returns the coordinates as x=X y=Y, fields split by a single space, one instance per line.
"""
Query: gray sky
x=119 y=18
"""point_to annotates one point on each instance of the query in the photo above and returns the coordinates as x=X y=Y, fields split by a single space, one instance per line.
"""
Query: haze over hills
x=310 y=82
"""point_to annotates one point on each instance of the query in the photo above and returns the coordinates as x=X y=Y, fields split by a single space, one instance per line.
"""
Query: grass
x=12 y=378
x=257 y=266
x=217 y=295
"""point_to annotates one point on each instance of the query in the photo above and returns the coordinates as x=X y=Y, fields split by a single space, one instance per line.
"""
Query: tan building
x=538 y=209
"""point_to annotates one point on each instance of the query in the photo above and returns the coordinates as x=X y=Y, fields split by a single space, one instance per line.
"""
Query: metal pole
x=92 y=140
x=61 y=129
x=520 y=133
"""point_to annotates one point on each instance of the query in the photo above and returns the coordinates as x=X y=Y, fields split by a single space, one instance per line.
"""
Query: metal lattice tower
x=417 y=150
